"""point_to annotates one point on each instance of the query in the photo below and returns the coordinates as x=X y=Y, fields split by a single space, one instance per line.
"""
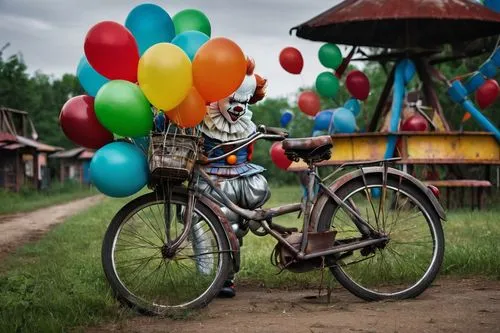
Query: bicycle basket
x=172 y=156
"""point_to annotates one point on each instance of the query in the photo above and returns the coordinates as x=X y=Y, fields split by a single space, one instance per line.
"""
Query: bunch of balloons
x=153 y=61
x=340 y=120
x=327 y=84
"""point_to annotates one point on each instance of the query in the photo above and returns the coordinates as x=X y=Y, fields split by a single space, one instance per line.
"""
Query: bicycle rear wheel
x=143 y=272
x=408 y=263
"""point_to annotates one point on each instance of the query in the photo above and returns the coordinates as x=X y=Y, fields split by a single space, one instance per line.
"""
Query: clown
x=229 y=120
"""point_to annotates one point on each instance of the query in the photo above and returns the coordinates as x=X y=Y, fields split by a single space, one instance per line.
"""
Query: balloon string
x=302 y=80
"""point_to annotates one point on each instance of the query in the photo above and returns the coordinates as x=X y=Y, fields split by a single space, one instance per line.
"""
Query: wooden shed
x=23 y=161
x=74 y=165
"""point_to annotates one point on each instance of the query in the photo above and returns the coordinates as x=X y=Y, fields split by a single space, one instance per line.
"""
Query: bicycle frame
x=265 y=216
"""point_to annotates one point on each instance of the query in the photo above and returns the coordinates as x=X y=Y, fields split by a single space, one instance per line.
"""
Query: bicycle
x=172 y=248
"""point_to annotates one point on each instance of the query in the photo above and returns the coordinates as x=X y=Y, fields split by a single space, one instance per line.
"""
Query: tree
x=41 y=95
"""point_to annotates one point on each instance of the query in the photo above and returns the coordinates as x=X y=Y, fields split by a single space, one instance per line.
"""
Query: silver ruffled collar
x=217 y=127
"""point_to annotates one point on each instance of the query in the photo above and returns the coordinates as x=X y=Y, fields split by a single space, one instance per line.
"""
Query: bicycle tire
x=433 y=220
x=120 y=291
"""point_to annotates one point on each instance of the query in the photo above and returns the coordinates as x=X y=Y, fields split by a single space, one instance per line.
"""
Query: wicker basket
x=172 y=156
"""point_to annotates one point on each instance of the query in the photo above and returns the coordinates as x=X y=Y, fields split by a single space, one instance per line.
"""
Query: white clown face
x=235 y=106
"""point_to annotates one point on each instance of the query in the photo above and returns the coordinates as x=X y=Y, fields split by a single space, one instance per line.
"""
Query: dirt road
x=20 y=228
x=448 y=306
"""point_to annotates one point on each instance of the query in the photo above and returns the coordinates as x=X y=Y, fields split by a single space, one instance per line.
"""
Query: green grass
x=28 y=199
x=58 y=282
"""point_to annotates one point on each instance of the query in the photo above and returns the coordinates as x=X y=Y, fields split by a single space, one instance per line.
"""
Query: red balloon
x=278 y=156
x=309 y=103
x=112 y=51
x=415 y=123
x=358 y=85
x=291 y=60
x=79 y=123
x=487 y=93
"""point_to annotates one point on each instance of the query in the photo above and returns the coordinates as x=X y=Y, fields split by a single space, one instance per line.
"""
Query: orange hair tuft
x=250 y=66
x=260 y=91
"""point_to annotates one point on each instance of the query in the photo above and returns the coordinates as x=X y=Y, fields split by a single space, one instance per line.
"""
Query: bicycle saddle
x=314 y=149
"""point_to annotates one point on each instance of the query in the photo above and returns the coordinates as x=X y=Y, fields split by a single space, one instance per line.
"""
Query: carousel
x=412 y=36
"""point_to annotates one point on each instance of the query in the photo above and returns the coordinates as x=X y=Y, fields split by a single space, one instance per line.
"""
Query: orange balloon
x=219 y=68
x=190 y=112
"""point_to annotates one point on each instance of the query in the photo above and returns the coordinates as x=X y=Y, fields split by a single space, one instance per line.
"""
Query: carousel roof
x=402 y=24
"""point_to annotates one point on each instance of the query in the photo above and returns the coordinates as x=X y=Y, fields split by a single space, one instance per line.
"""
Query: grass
x=28 y=199
x=58 y=282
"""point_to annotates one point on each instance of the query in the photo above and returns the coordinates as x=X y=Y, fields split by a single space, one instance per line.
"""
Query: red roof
x=401 y=23
x=21 y=142
x=7 y=137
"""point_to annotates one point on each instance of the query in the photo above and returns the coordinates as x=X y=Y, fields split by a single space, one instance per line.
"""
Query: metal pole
x=498 y=177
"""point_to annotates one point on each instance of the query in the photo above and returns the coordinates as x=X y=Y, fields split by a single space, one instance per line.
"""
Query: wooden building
x=74 y=165
x=23 y=161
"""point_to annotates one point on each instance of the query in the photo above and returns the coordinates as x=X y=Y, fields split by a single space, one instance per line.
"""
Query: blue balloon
x=323 y=121
x=190 y=42
x=286 y=118
x=142 y=143
x=344 y=121
x=89 y=78
x=160 y=122
x=494 y=5
x=354 y=106
x=150 y=24
x=376 y=192
x=119 y=169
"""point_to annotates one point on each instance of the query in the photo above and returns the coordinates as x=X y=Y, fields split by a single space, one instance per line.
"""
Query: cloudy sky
x=50 y=33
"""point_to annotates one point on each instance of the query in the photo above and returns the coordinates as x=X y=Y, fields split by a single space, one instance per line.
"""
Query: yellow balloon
x=165 y=75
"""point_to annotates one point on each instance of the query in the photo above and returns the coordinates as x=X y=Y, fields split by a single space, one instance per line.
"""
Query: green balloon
x=327 y=84
x=192 y=19
x=122 y=108
x=330 y=56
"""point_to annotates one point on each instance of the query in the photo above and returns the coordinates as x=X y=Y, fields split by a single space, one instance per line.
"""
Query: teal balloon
x=344 y=121
x=327 y=84
x=353 y=105
x=150 y=24
x=119 y=169
x=142 y=143
x=330 y=56
x=122 y=108
x=190 y=42
x=192 y=19
x=90 y=80
x=494 y=5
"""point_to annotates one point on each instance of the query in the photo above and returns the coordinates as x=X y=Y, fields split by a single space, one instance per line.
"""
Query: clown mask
x=235 y=106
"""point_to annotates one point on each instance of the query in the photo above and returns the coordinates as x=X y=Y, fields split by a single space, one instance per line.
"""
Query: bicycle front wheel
x=408 y=263
x=145 y=274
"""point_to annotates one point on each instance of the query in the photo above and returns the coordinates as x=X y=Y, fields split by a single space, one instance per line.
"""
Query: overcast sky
x=50 y=33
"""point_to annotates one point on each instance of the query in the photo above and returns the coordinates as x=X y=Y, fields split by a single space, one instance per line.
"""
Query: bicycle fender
x=231 y=236
x=322 y=200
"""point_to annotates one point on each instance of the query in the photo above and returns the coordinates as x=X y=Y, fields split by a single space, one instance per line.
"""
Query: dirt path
x=25 y=227
x=448 y=306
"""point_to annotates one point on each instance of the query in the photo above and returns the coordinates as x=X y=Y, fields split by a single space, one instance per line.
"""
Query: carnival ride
x=413 y=41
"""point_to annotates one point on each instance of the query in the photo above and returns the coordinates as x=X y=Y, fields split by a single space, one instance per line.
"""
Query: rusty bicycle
x=376 y=228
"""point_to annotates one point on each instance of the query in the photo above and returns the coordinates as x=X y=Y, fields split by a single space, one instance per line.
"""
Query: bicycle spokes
x=155 y=272
x=398 y=215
